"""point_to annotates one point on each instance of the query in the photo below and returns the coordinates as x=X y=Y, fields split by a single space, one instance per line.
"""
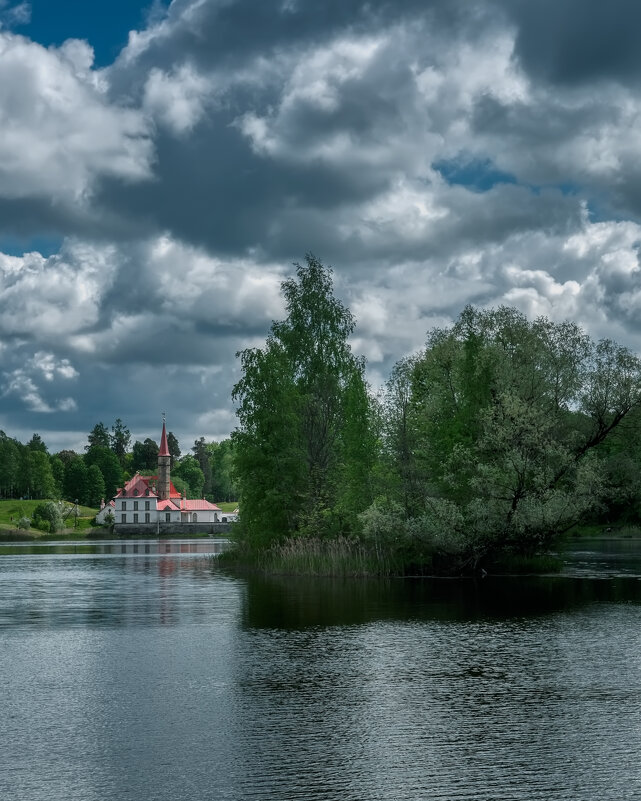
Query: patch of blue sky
x=600 y=211
x=105 y=24
x=479 y=175
x=18 y=246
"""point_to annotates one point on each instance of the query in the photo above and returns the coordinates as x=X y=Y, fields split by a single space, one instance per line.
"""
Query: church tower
x=164 y=465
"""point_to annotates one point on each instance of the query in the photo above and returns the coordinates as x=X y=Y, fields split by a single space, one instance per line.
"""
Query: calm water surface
x=151 y=675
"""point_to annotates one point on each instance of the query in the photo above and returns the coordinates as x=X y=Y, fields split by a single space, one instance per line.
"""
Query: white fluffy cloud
x=177 y=99
x=58 y=131
x=44 y=299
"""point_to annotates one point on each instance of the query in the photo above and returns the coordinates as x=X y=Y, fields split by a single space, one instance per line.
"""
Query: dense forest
x=500 y=435
x=109 y=459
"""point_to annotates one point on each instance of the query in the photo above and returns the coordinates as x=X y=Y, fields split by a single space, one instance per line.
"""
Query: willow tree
x=506 y=417
x=302 y=449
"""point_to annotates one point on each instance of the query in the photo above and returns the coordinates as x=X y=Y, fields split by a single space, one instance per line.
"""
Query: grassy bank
x=227 y=506
x=12 y=510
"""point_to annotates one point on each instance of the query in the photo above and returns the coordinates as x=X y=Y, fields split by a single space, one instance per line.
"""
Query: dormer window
x=146 y=492
x=135 y=492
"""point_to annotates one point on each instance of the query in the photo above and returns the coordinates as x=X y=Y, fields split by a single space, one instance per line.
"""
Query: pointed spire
x=164 y=448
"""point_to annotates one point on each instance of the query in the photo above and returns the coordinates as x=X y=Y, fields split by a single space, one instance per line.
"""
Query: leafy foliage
x=497 y=443
x=303 y=412
x=98 y=437
x=48 y=517
x=189 y=470
x=119 y=440
x=145 y=455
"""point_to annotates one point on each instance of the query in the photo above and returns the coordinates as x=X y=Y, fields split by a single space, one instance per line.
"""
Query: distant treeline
x=500 y=435
x=30 y=471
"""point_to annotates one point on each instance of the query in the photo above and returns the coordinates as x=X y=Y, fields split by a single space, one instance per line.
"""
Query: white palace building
x=154 y=499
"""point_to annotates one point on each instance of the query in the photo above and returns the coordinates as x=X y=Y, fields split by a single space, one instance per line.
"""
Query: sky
x=163 y=165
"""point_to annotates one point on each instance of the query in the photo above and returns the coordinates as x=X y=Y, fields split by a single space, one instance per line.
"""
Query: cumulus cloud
x=58 y=131
x=177 y=99
x=436 y=153
x=23 y=386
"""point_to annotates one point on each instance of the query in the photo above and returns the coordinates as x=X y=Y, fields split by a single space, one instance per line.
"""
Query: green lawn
x=16 y=509
x=227 y=506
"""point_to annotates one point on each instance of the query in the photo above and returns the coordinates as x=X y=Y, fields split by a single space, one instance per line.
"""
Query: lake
x=149 y=674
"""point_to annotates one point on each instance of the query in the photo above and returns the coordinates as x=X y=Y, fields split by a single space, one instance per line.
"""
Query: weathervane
x=163 y=418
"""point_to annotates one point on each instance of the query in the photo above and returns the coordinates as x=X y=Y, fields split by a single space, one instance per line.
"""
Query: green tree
x=98 y=437
x=119 y=440
x=109 y=466
x=58 y=471
x=183 y=487
x=67 y=456
x=189 y=470
x=402 y=479
x=42 y=480
x=23 y=475
x=95 y=486
x=36 y=444
x=221 y=457
x=9 y=466
x=201 y=452
x=291 y=450
x=48 y=516
x=76 y=482
x=144 y=455
x=174 y=448
x=507 y=416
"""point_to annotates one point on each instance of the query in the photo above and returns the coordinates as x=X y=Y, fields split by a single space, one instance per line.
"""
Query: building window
x=147 y=517
x=135 y=518
x=135 y=492
x=146 y=492
x=167 y=517
x=146 y=504
x=124 y=505
x=194 y=518
x=123 y=518
x=135 y=506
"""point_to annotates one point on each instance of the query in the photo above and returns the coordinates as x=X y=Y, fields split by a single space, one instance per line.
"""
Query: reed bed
x=302 y=556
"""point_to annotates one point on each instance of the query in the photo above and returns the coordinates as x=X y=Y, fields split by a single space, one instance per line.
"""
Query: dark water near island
x=154 y=676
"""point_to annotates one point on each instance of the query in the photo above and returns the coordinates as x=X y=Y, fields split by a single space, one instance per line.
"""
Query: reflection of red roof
x=164 y=448
x=198 y=506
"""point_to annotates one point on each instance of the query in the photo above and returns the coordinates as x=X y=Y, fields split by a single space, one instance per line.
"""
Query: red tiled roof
x=168 y=504
x=198 y=506
x=140 y=483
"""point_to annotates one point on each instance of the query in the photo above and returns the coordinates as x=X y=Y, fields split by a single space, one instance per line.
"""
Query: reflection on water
x=116 y=547
x=154 y=676
x=603 y=558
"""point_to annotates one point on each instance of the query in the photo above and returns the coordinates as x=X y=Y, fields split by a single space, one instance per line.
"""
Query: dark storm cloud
x=220 y=194
x=230 y=33
x=578 y=41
